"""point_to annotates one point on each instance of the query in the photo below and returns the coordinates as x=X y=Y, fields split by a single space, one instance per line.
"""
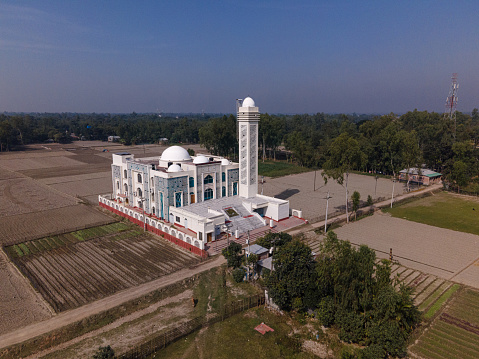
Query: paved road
x=99 y=306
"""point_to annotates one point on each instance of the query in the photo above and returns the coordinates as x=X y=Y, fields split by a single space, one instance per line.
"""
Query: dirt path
x=115 y=300
x=121 y=340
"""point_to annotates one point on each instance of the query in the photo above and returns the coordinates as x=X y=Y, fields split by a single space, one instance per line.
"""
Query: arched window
x=223 y=177
x=208 y=179
x=126 y=189
x=223 y=191
x=208 y=194
x=152 y=196
x=153 y=211
x=235 y=188
x=117 y=185
x=139 y=192
x=192 y=182
x=125 y=174
x=139 y=177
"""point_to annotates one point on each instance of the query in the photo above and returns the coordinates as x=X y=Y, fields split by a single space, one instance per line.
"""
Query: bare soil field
x=298 y=189
x=22 y=227
x=24 y=195
x=18 y=164
x=77 y=273
x=19 y=304
x=442 y=252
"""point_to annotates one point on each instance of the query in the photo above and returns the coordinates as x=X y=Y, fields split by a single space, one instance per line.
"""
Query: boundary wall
x=156 y=226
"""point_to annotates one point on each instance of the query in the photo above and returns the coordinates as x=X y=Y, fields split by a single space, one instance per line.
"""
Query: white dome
x=201 y=159
x=175 y=153
x=248 y=102
x=225 y=162
x=174 y=168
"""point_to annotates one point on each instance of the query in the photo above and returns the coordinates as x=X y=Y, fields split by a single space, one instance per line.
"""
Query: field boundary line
x=464 y=268
x=27 y=282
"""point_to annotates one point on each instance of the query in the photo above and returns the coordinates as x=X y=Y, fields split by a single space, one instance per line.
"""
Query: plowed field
x=70 y=271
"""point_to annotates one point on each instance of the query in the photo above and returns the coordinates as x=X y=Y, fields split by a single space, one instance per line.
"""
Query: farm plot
x=21 y=164
x=455 y=332
x=71 y=270
x=24 y=195
x=23 y=227
x=86 y=187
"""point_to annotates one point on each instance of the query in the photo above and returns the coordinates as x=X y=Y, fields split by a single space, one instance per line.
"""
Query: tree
x=238 y=275
x=274 y=239
x=292 y=276
x=344 y=154
x=355 y=198
x=233 y=256
x=218 y=136
x=252 y=261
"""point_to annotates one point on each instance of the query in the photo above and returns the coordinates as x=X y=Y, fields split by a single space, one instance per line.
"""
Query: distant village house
x=422 y=176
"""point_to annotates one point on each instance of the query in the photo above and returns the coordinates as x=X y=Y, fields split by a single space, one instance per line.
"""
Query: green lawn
x=444 y=210
x=279 y=168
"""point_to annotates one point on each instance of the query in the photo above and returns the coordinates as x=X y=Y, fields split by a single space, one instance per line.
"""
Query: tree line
x=345 y=288
x=336 y=143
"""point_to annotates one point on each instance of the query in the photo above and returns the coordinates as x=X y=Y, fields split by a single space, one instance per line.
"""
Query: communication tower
x=451 y=103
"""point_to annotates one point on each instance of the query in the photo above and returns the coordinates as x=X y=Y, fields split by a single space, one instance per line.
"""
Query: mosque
x=195 y=198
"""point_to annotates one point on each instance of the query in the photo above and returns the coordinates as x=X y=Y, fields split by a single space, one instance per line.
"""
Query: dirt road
x=115 y=300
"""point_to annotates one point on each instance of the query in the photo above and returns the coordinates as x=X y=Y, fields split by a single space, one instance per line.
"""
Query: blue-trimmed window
x=178 y=199
x=223 y=191
x=235 y=188
x=139 y=177
x=208 y=194
x=223 y=177
x=192 y=182
x=208 y=179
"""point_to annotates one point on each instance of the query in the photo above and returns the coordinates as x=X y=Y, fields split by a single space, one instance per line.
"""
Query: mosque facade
x=195 y=198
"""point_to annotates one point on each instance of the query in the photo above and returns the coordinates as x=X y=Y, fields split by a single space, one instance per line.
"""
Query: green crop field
x=455 y=332
x=444 y=210
x=279 y=168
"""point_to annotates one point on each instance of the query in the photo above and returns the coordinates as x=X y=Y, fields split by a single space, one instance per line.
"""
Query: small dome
x=174 y=154
x=200 y=159
x=248 y=102
x=225 y=162
x=174 y=168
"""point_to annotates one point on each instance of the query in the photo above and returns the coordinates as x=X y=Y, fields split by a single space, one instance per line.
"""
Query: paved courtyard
x=298 y=189
x=442 y=252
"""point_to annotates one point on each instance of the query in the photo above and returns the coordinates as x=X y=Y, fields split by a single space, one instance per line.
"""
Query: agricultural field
x=454 y=333
x=24 y=227
x=444 y=210
x=72 y=269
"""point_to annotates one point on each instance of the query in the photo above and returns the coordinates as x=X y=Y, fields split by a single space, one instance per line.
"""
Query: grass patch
x=236 y=338
x=279 y=168
x=438 y=304
x=429 y=300
x=444 y=210
x=24 y=248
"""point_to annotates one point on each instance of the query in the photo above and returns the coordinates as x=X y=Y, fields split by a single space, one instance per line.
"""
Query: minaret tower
x=248 y=121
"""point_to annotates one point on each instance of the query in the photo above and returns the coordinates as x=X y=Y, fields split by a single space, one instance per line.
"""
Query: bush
x=238 y=275
x=369 y=202
x=104 y=353
x=325 y=311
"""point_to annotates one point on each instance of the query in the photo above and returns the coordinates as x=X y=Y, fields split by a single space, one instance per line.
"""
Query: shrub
x=104 y=353
x=369 y=202
x=325 y=311
x=238 y=275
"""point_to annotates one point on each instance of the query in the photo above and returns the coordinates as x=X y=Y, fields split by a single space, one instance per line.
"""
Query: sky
x=303 y=56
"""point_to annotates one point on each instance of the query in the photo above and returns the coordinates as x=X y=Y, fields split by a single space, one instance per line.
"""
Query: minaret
x=248 y=121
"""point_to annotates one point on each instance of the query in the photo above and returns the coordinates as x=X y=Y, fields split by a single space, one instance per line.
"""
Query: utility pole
x=326 y=218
